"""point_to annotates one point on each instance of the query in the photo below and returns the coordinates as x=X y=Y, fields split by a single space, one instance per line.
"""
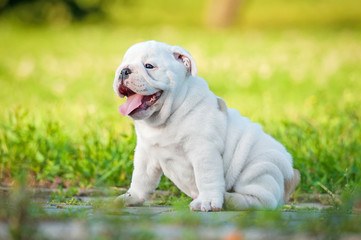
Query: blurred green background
x=294 y=66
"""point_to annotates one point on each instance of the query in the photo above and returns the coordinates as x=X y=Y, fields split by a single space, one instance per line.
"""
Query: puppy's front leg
x=208 y=171
x=145 y=179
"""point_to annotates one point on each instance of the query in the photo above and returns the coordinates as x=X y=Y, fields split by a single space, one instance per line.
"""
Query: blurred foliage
x=251 y=13
x=53 y=11
x=124 y=12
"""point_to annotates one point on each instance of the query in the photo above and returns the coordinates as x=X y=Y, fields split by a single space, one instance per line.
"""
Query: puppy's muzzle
x=124 y=74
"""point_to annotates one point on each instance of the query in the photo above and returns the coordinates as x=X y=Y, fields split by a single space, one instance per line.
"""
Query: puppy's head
x=150 y=76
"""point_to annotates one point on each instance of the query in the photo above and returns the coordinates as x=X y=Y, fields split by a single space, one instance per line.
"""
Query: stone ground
x=162 y=222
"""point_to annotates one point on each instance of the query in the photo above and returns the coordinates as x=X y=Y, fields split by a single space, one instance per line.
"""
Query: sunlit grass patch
x=56 y=156
x=60 y=116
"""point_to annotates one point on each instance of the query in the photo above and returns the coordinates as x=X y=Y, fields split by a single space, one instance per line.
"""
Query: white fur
x=209 y=151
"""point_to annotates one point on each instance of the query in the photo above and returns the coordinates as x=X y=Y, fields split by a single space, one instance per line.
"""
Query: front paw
x=205 y=204
x=129 y=199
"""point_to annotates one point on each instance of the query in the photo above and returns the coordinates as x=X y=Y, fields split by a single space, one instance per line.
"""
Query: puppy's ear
x=183 y=56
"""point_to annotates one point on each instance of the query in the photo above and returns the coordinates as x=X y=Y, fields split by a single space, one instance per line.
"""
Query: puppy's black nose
x=125 y=72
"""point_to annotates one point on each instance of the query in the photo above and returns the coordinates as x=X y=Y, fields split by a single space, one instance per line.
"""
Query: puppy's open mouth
x=136 y=102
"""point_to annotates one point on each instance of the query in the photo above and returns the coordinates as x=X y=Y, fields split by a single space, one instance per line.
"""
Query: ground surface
x=88 y=217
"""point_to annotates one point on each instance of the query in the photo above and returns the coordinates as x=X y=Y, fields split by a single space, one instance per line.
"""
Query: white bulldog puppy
x=211 y=153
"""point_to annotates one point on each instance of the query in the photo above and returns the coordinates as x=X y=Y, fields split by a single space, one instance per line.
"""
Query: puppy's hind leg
x=260 y=195
x=252 y=196
x=260 y=186
x=239 y=201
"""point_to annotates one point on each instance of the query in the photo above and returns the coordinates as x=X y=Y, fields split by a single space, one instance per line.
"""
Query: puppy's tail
x=291 y=184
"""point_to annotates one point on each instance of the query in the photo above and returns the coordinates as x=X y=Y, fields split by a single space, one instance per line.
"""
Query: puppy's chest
x=164 y=147
x=175 y=165
x=168 y=152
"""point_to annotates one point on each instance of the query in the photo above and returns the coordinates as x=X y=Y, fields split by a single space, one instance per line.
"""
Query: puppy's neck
x=179 y=103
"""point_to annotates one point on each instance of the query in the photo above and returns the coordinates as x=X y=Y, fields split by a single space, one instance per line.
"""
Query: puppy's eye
x=149 y=66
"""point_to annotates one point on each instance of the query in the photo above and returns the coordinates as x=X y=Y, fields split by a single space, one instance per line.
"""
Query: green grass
x=59 y=115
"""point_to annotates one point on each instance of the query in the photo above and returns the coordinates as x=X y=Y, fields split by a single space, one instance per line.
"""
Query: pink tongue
x=132 y=103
